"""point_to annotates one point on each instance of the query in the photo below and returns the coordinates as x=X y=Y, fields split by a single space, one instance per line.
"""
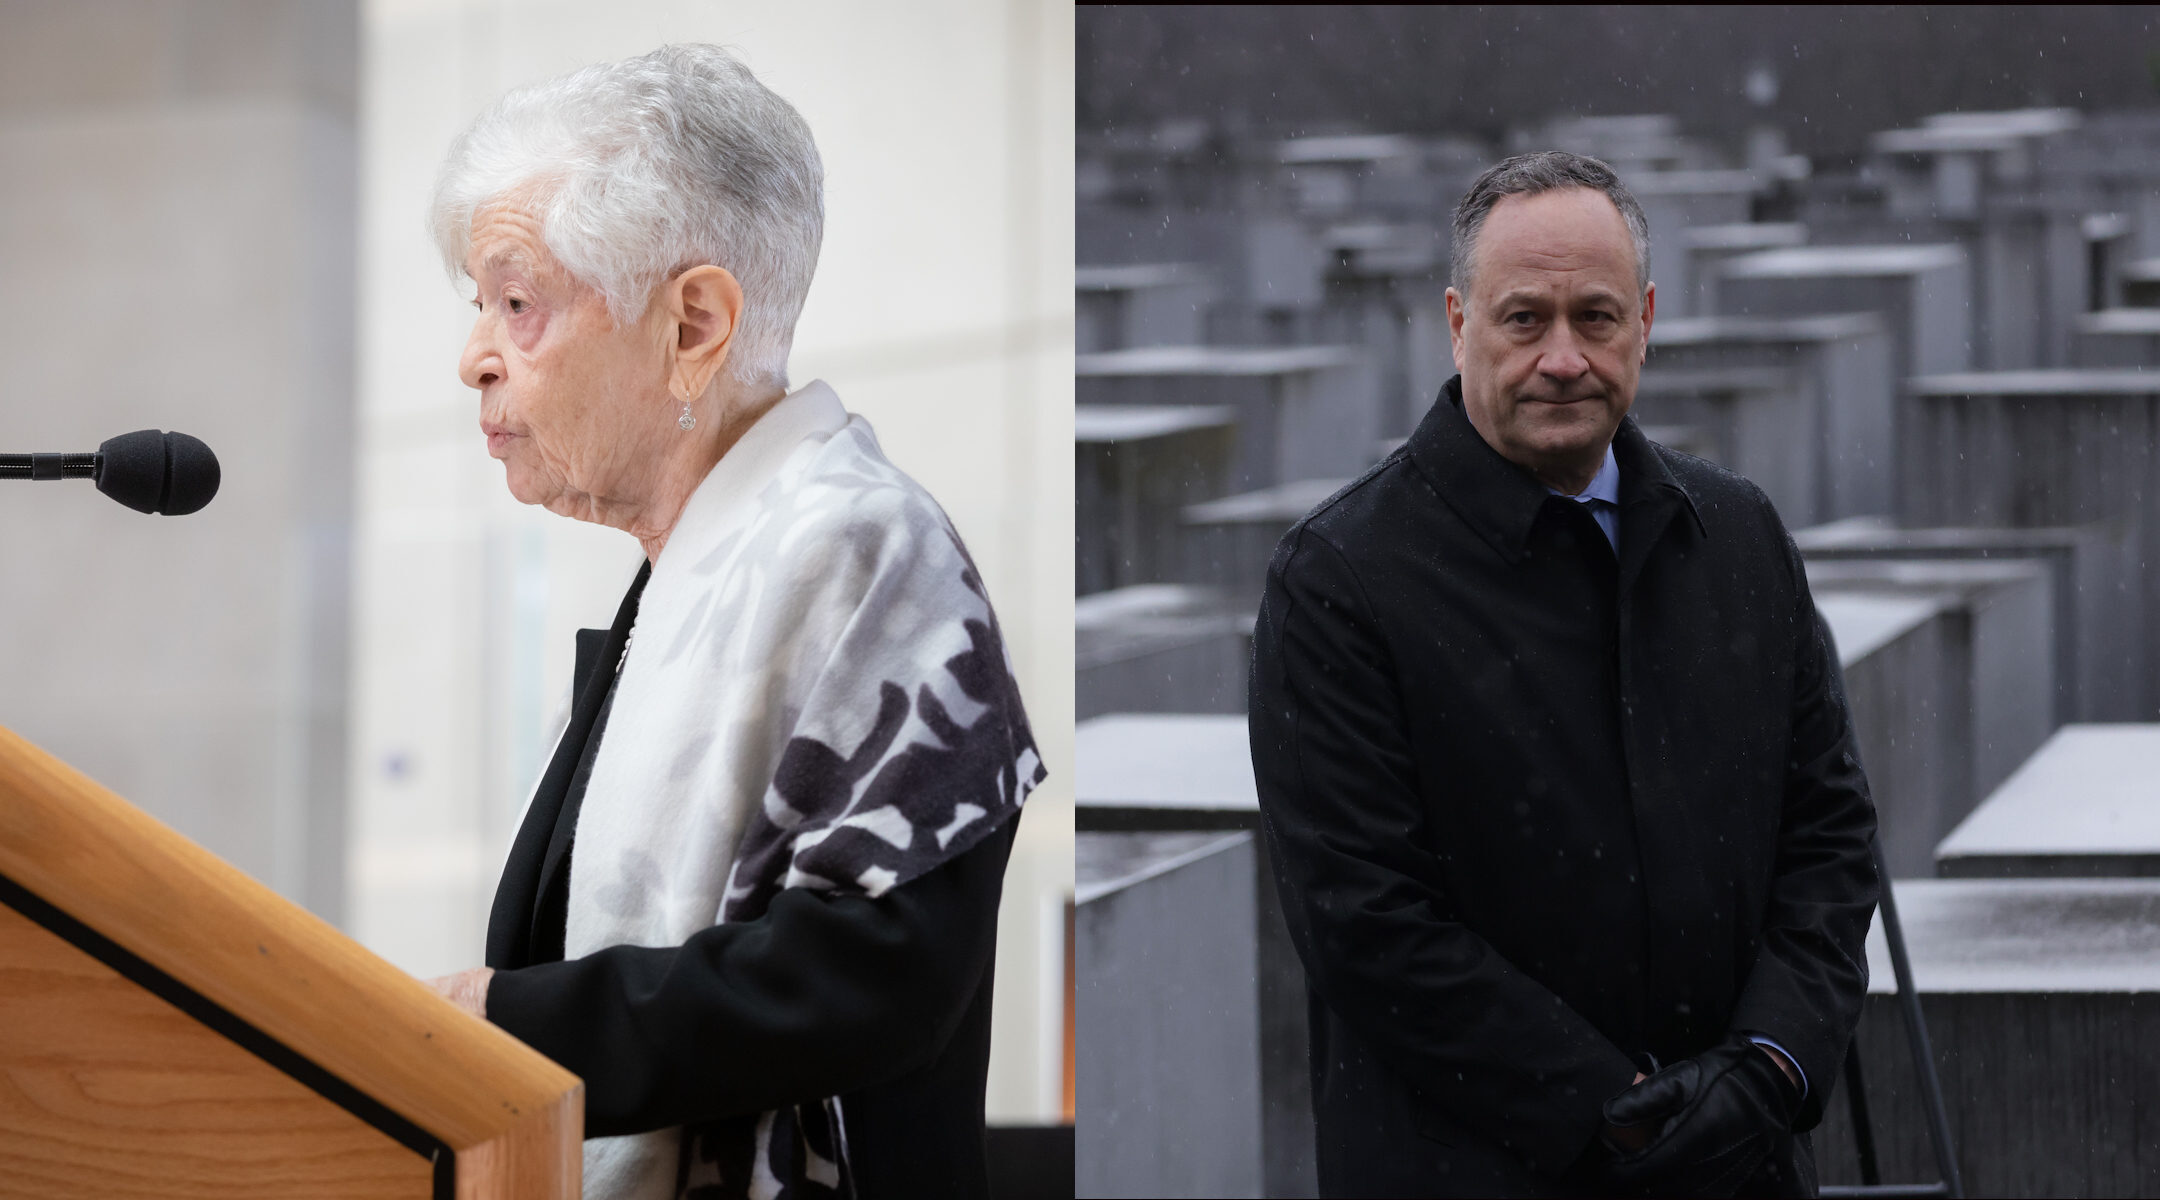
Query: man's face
x=1550 y=340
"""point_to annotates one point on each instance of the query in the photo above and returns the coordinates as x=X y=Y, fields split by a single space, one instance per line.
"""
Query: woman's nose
x=480 y=364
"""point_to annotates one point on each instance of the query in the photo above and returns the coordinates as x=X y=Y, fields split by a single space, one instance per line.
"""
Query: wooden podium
x=171 y=1028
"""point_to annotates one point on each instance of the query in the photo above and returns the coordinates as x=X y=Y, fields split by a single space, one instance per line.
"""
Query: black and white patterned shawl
x=815 y=695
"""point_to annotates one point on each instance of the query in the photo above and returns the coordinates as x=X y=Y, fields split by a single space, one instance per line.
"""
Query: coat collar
x=1501 y=501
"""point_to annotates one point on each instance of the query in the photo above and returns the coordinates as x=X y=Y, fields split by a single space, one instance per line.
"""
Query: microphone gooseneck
x=149 y=471
x=48 y=466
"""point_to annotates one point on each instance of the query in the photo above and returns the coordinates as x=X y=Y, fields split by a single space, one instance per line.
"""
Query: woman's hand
x=466 y=989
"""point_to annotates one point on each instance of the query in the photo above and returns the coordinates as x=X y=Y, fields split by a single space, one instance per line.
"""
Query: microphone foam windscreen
x=131 y=469
x=155 y=472
x=192 y=476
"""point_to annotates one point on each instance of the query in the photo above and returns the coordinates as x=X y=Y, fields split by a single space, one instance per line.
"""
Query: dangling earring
x=686 y=422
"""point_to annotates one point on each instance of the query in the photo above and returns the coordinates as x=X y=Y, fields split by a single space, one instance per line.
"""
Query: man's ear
x=1454 y=325
x=1649 y=311
x=704 y=308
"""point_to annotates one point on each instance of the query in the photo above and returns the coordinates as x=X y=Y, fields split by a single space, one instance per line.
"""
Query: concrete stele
x=2090 y=790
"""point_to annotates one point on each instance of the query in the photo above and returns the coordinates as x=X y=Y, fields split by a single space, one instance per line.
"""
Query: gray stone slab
x=2025 y=936
x=1386 y=249
x=1164 y=771
x=2117 y=337
x=1229 y=542
x=2055 y=383
x=1208 y=361
x=1863 y=625
x=2087 y=804
x=1923 y=292
x=2113 y=163
x=1948 y=168
x=1168 y=1076
x=1357 y=149
x=1135 y=469
x=1895 y=652
x=1692 y=289
x=1302 y=412
x=1102 y=425
x=1140 y=304
x=2035 y=279
x=1184 y=774
x=2080 y=563
x=2141 y=283
x=1746 y=236
x=1158 y=648
x=1688 y=439
x=1377 y=308
x=1428 y=350
x=2051 y=448
x=1676 y=201
x=1999 y=654
x=2043 y=1003
x=1630 y=142
x=1763 y=422
x=2027 y=239
x=1263 y=262
x=1273 y=261
x=1325 y=178
x=1842 y=372
x=1127 y=277
x=1105 y=863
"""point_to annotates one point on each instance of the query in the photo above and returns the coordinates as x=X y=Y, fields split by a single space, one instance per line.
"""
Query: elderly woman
x=753 y=898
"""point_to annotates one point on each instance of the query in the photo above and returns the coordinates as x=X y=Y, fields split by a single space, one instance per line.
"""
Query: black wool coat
x=1535 y=812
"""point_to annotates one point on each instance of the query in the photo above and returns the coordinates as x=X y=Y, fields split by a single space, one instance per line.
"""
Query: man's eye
x=1521 y=318
x=517 y=305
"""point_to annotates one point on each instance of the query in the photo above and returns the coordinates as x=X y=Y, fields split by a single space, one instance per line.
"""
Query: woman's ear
x=704 y=308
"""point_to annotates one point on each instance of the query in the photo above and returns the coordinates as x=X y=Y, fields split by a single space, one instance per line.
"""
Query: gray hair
x=1544 y=171
x=640 y=169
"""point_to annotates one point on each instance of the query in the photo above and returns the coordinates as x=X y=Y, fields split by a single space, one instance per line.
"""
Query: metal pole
x=1856 y=1104
x=1916 y=1031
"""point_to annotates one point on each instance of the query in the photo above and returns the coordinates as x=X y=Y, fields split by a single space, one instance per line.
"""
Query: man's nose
x=1562 y=357
x=480 y=364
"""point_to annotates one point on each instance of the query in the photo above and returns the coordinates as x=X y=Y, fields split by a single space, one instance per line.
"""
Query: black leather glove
x=1717 y=1115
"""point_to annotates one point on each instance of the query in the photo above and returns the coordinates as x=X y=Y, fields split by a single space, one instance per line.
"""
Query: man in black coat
x=1555 y=765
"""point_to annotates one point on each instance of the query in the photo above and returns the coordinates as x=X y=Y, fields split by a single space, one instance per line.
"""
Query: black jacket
x=1534 y=812
x=884 y=1003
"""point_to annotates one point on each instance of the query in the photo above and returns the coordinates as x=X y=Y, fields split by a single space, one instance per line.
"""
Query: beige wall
x=942 y=312
x=176 y=251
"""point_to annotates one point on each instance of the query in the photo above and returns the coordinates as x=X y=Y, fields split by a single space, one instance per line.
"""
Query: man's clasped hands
x=1701 y=1126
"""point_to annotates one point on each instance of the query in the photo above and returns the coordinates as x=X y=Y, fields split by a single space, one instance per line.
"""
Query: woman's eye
x=517 y=305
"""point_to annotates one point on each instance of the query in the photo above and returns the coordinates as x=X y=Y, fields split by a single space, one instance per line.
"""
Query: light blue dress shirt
x=1603 y=497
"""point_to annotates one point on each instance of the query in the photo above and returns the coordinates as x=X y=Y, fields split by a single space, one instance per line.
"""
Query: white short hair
x=639 y=169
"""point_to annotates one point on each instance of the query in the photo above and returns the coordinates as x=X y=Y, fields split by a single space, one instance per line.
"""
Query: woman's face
x=576 y=408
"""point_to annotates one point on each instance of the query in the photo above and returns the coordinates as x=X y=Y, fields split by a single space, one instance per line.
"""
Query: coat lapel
x=1502 y=501
x=1649 y=500
x=1495 y=498
x=537 y=852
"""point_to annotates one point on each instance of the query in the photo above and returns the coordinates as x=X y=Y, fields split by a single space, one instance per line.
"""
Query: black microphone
x=146 y=470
